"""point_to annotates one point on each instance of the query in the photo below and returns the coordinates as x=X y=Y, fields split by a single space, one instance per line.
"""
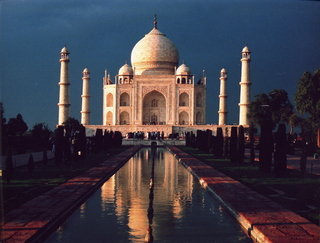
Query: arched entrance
x=124 y=118
x=183 y=118
x=154 y=109
x=199 y=119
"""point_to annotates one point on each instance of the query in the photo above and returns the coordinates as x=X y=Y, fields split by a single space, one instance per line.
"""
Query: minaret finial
x=155 y=21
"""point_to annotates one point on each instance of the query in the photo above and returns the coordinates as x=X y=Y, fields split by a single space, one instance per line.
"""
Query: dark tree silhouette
x=280 y=156
x=233 y=144
x=308 y=102
x=40 y=135
x=219 y=143
x=8 y=172
x=59 y=144
x=240 y=145
x=275 y=106
x=17 y=126
x=266 y=147
x=251 y=138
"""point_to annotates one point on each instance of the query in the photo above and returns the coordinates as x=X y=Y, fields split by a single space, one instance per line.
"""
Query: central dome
x=154 y=54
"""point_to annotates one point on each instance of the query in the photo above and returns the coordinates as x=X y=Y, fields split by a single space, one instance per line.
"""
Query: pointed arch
x=109 y=118
x=124 y=118
x=183 y=118
x=184 y=99
x=110 y=100
x=199 y=101
x=199 y=118
x=124 y=99
x=154 y=108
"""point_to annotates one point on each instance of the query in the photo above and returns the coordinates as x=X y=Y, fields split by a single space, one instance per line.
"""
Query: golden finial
x=155 y=21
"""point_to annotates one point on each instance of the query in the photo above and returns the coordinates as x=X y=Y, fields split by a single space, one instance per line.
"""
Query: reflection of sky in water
x=182 y=210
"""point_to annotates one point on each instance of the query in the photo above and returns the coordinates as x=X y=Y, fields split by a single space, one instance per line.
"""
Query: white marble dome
x=183 y=70
x=125 y=70
x=154 y=54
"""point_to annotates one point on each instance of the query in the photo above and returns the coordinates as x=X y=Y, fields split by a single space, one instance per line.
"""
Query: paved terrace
x=261 y=218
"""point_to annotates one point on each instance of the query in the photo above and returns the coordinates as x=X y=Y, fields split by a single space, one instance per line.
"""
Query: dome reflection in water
x=152 y=198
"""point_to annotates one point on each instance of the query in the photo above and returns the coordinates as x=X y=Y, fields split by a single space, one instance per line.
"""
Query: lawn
x=300 y=194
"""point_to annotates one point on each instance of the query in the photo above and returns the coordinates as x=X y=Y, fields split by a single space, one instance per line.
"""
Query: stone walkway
x=262 y=219
x=33 y=220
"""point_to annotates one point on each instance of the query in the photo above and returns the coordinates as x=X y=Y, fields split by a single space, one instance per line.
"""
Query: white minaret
x=223 y=97
x=64 y=95
x=85 y=111
x=244 y=86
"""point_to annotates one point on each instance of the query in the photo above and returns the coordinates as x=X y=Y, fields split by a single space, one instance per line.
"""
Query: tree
x=117 y=139
x=3 y=132
x=240 y=145
x=307 y=100
x=280 y=155
x=58 y=151
x=8 y=172
x=295 y=121
x=268 y=110
x=274 y=107
x=72 y=126
x=266 y=147
x=233 y=144
x=40 y=135
x=219 y=143
x=17 y=126
x=251 y=138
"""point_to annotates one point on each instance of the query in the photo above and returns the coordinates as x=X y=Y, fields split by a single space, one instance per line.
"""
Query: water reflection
x=151 y=198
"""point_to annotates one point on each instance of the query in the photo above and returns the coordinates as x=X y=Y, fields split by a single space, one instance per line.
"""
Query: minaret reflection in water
x=152 y=198
x=149 y=236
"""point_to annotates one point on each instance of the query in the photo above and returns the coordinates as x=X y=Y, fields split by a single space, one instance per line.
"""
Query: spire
x=155 y=22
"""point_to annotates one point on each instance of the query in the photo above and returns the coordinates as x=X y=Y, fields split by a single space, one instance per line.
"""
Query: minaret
x=85 y=111
x=223 y=98
x=244 y=86
x=64 y=95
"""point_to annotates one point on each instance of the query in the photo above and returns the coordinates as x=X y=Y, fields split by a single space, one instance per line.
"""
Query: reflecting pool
x=152 y=196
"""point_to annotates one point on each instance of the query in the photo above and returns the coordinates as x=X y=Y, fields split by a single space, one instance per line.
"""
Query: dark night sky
x=283 y=35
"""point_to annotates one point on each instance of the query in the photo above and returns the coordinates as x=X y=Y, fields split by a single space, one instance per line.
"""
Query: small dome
x=245 y=49
x=64 y=50
x=154 y=54
x=86 y=70
x=183 y=69
x=125 y=70
x=223 y=70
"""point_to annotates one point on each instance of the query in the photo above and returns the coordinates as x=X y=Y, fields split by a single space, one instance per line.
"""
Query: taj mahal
x=154 y=93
